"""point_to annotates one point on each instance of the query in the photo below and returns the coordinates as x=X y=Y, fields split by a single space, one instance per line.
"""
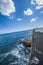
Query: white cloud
x=7 y=7
x=19 y=19
x=38 y=7
x=33 y=19
x=32 y=2
x=28 y=12
x=12 y=17
x=38 y=3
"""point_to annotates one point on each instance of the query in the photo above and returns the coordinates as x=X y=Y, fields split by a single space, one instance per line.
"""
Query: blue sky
x=18 y=15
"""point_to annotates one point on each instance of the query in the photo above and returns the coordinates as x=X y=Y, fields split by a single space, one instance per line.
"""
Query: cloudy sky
x=18 y=15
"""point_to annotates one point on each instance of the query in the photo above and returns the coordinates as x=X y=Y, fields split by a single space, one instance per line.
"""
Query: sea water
x=12 y=50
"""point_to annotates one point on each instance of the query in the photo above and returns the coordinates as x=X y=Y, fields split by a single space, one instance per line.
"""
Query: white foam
x=26 y=59
x=20 y=46
x=15 y=52
x=16 y=63
x=4 y=56
x=35 y=60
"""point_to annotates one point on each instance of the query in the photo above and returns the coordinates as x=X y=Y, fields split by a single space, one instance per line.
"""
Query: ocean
x=13 y=51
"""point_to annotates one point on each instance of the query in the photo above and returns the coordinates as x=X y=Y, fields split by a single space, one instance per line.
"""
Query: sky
x=19 y=15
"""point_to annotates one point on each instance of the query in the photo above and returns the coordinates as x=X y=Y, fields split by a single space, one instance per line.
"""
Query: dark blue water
x=12 y=50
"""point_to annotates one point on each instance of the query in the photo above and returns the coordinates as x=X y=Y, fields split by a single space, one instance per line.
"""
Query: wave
x=3 y=56
x=19 y=55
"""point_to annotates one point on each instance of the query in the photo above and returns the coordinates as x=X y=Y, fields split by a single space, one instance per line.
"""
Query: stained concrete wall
x=38 y=40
